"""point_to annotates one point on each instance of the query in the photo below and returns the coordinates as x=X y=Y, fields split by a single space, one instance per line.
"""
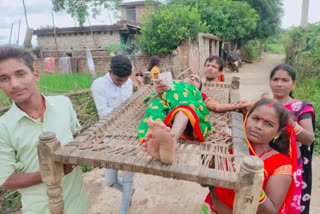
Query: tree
x=226 y=18
x=164 y=28
x=270 y=12
x=79 y=9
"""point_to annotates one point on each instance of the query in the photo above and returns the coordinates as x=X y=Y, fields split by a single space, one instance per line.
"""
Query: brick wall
x=79 y=41
x=189 y=54
x=141 y=62
x=204 y=52
x=81 y=54
x=194 y=63
x=140 y=9
x=183 y=52
x=194 y=53
x=102 y=63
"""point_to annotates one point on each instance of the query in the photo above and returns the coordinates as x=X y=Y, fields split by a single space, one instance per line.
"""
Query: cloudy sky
x=39 y=14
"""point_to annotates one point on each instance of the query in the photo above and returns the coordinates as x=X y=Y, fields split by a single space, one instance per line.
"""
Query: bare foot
x=163 y=136
x=151 y=146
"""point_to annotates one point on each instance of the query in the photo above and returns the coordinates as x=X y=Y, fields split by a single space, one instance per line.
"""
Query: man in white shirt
x=108 y=93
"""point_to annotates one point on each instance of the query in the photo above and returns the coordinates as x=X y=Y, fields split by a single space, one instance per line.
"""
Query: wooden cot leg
x=250 y=186
x=51 y=171
x=235 y=82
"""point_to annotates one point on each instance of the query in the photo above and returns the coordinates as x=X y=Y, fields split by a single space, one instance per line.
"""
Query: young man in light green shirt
x=30 y=115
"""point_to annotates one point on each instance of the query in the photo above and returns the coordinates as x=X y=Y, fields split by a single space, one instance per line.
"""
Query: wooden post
x=304 y=13
x=235 y=82
x=27 y=38
x=10 y=34
x=250 y=186
x=51 y=171
x=91 y=30
x=18 y=33
x=25 y=14
x=240 y=146
x=55 y=35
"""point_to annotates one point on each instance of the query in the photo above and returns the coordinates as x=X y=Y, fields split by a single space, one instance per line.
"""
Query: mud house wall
x=204 y=51
x=140 y=10
x=102 y=63
x=189 y=54
x=78 y=41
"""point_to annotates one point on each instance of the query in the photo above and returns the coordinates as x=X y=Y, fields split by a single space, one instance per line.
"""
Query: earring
x=275 y=138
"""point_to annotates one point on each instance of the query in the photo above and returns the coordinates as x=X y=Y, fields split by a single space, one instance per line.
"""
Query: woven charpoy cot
x=113 y=143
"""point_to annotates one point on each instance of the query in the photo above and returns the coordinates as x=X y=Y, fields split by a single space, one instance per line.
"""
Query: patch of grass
x=54 y=83
x=10 y=201
x=276 y=48
x=57 y=84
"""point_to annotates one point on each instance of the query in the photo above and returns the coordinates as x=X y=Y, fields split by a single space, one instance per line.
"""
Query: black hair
x=20 y=54
x=121 y=66
x=217 y=59
x=200 y=81
x=153 y=62
x=289 y=69
x=281 y=144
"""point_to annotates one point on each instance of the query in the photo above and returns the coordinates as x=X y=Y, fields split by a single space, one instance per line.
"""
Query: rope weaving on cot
x=113 y=143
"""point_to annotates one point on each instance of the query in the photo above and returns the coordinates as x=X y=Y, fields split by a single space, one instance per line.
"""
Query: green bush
x=276 y=48
x=117 y=49
x=303 y=49
x=164 y=28
x=227 y=19
x=309 y=89
x=303 y=52
x=85 y=168
x=254 y=48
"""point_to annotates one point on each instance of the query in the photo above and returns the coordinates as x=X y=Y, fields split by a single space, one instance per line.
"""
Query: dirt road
x=157 y=195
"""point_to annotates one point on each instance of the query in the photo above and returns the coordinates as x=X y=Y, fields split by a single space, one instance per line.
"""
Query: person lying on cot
x=179 y=112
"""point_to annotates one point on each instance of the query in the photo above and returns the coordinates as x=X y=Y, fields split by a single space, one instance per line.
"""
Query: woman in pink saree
x=282 y=83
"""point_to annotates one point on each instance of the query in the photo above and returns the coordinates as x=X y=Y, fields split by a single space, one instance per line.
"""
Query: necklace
x=269 y=150
x=40 y=114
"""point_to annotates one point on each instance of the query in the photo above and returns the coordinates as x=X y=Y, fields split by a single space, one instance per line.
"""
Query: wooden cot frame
x=247 y=183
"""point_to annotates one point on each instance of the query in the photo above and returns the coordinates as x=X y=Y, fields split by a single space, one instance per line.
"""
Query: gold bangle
x=297 y=128
x=299 y=131
x=263 y=194
x=262 y=197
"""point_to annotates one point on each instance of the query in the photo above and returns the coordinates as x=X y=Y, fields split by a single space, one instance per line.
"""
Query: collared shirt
x=19 y=136
x=108 y=96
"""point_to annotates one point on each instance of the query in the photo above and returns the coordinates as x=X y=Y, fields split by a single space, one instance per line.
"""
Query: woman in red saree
x=282 y=83
x=271 y=139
